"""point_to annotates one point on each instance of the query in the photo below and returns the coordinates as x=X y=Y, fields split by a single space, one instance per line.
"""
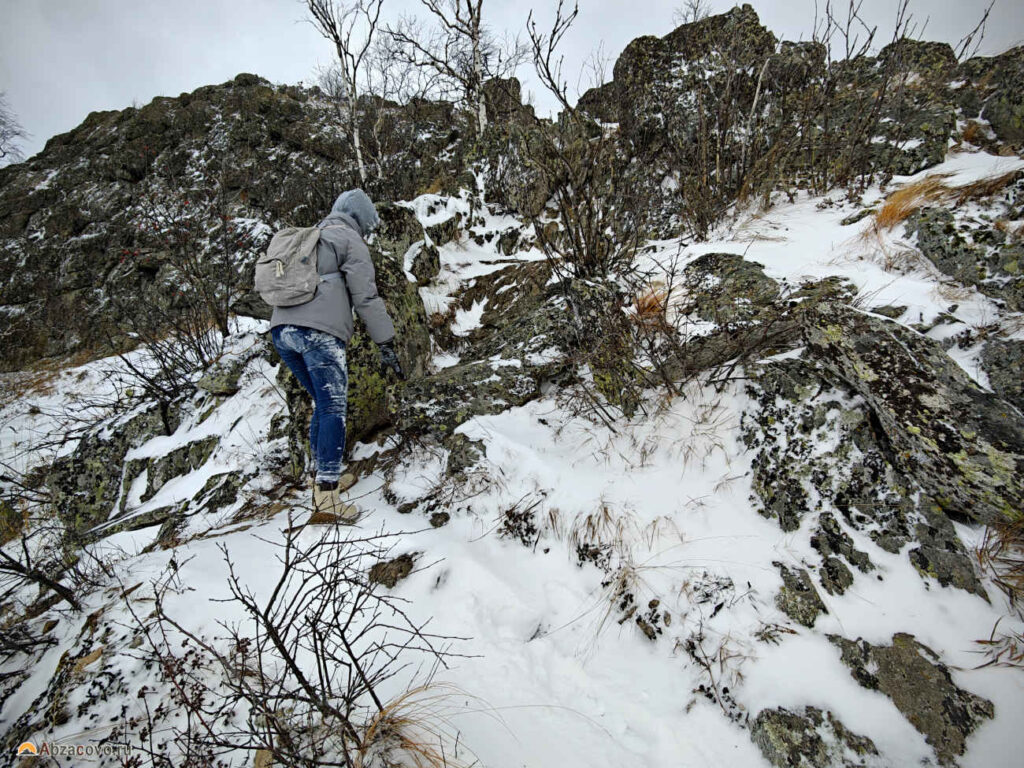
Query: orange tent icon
x=27 y=748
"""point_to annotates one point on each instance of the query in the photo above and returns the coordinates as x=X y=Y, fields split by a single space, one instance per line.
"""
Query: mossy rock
x=798 y=598
x=997 y=94
x=810 y=739
x=1002 y=360
x=921 y=687
x=85 y=484
x=963 y=446
x=729 y=288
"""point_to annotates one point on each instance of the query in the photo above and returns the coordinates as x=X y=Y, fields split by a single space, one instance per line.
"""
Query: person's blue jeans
x=318 y=361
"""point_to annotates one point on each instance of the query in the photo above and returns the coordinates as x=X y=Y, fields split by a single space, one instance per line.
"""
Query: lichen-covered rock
x=86 y=483
x=996 y=93
x=832 y=540
x=921 y=687
x=519 y=344
x=440 y=402
x=656 y=77
x=986 y=261
x=178 y=462
x=463 y=453
x=941 y=554
x=222 y=378
x=810 y=739
x=819 y=450
x=728 y=289
x=444 y=232
x=835 y=577
x=798 y=598
x=962 y=445
x=813 y=440
x=504 y=100
x=389 y=572
x=72 y=215
x=426 y=264
x=1002 y=360
x=754 y=316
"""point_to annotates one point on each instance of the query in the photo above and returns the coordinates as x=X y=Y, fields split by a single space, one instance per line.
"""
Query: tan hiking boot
x=346 y=481
x=328 y=507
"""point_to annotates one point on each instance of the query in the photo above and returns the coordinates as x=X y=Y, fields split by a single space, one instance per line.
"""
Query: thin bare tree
x=11 y=134
x=460 y=49
x=691 y=11
x=350 y=26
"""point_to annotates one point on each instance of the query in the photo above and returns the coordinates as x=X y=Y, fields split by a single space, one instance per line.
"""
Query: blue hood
x=359 y=206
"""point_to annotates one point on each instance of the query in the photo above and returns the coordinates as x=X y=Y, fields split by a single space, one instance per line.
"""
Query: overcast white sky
x=61 y=59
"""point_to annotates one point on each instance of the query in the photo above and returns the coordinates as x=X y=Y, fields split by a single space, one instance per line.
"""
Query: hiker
x=311 y=338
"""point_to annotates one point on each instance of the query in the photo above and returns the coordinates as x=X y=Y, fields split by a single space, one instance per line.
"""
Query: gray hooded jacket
x=342 y=250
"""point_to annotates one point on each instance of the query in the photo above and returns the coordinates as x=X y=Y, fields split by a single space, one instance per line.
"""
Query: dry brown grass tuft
x=1014 y=230
x=649 y=307
x=910 y=198
x=415 y=730
x=1001 y=556
x=933 y=189
x=973 y=133
x=602 y=528
x=985 y=187
x=1003 y=649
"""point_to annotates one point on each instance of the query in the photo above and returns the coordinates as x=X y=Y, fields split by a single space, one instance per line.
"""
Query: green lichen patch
x=921 y=687
x=798 y=598
x=963 y=446
x=809 y=739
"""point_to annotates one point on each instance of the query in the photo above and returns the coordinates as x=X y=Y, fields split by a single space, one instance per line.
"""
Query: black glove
x=389 y=359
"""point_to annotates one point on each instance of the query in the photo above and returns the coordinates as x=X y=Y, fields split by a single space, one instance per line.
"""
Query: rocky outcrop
x=1002 y=360
x=518 y=345
x=963 y=446
x=809 y=739
x=994 y=92
x=818 y=449
x=975 y=253
x=86 y=483
x=798 y=598
x=921 y=687
x=73 y=223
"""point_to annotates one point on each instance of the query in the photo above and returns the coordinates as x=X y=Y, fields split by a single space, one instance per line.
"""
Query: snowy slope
x=551 y=674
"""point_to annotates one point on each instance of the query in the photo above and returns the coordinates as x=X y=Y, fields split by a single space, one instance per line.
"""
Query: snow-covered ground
x=550 y=675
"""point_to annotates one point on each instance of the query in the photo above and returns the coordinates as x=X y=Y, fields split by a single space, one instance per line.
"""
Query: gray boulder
x=962 y=445
x=921 y=687
x=809 y=739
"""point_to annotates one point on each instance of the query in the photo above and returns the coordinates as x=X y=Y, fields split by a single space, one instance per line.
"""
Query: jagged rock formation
x=269 y=153
x=976 y=251
x=717 y=80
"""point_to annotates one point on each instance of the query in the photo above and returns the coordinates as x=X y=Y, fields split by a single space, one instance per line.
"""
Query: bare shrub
x=301 y=680
x=175 y=285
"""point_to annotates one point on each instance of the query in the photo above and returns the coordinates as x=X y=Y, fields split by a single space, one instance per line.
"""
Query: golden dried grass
x=414 y=729
x=1001 y=555
x=973 y=133
x=910 y=198
x=933 y=190
x=649 y=307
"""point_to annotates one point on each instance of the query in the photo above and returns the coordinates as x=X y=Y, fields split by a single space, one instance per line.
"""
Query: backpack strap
x=333 y=276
